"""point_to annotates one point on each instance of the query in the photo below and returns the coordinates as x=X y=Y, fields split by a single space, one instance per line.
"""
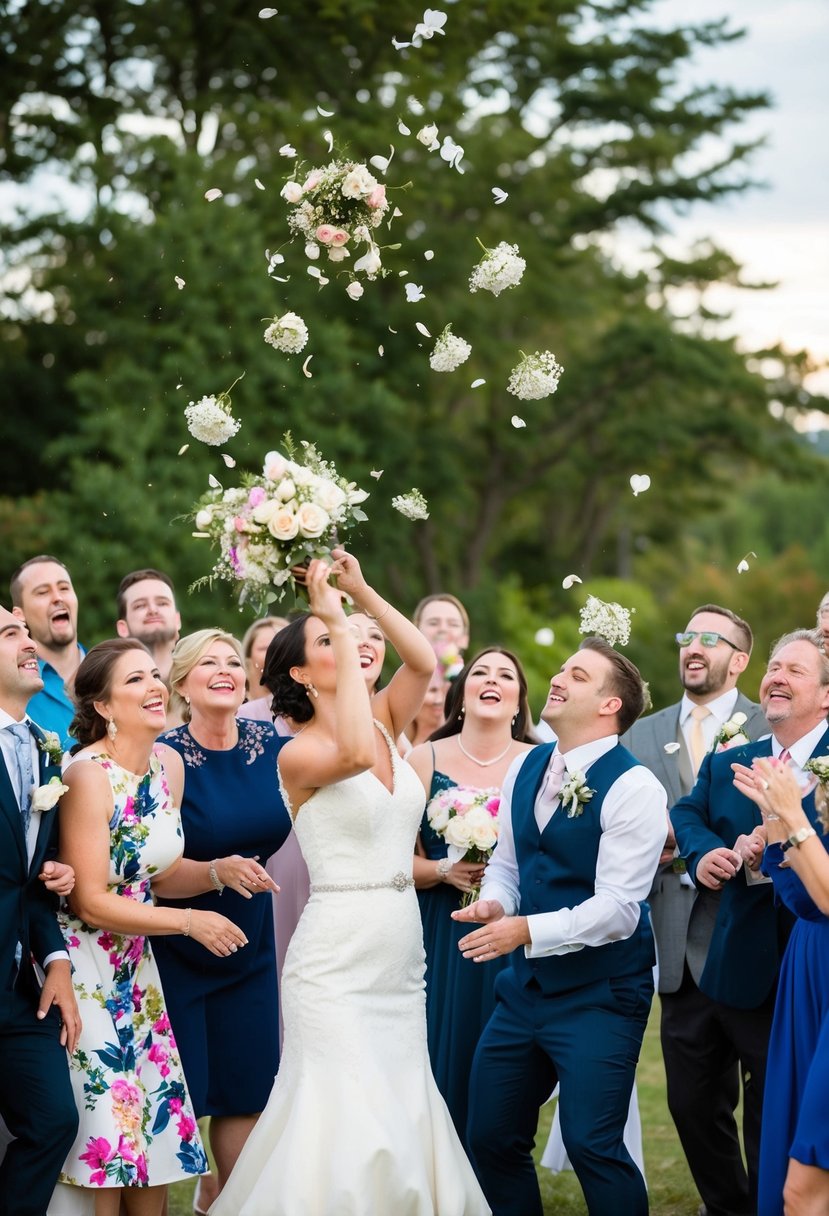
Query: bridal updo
x=93 y=682
x=287 y=650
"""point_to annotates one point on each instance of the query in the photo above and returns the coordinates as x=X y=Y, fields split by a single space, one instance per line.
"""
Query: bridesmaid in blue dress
x=488 y=724
x=233 y=818
x=794 y=1143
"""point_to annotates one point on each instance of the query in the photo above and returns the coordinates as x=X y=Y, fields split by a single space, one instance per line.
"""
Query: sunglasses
x=709 y=640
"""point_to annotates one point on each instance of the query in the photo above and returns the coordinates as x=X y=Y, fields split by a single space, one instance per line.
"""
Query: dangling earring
x=311 y=691
x=112 y=729
x=187 y=700
x=515 y=719
x=461 y=711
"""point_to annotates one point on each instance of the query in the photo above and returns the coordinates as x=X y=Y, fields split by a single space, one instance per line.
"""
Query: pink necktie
x=553 y=782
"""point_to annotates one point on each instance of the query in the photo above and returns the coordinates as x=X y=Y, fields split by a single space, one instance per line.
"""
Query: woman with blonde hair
x=233 y=818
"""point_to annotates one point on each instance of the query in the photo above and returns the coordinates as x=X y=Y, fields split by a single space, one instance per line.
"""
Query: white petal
x=265 y=13
x=545 y=637
x=477 y=383
x=180 y=284
x=402 y=128
x=517 y=422
x=376 y=474
x=399 y=46
x=392 y=331
x=500 y=196
x=639 y=482
x=422 y=328
x=329 y=139
x=213 y=482
x=428 y=254
x=212 y=195
x=382 y=162
x=670 y=748
x=742 y=566
x=178 y=386
x=569 y=581
x=414 y=292
x=305 y=371
x=381 y=350
x=287 y=150
x=325 y=113
x=229 y=461
x=258 y=184
x=183 y=449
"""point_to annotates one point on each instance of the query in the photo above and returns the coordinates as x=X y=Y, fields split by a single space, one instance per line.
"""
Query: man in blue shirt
x=43 y=596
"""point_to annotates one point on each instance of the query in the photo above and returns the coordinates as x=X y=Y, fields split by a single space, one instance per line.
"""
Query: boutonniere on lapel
x=731 y=734
x=818 y=766
x=575 y=793
x=49 y=743
x=46 y=796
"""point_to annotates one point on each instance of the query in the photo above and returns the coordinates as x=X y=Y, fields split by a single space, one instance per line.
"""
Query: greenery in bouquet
x=295 y=510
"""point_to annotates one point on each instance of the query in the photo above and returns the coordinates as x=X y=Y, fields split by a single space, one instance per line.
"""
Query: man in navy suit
x=582 y=828
x=717 y=831
x=37 y=1024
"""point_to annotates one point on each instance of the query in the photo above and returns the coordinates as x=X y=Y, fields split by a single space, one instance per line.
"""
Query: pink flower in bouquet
x=377 y=197
x=256 y=496
x=325 y=234
x=340 y=236
x=312 y=180
x=494 y=806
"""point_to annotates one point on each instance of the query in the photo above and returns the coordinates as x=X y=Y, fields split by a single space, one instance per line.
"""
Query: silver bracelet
x=215 y=881
x=444 y=866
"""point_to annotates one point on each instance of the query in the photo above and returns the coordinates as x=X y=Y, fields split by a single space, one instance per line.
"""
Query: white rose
x=338 y=253
x=739 y=718
x=438 y=816
x=370 y=262
x=46 y=796
x=358 y=182
x=328 y=495
x=283 y=524
x=265 y=511
x=457 y=832
x=286 y=489
x=204 y=518
x=484 y=835
x=275 y=466
x=312 y=520
x=291 y=192
x=354 y=290
x=304 y=477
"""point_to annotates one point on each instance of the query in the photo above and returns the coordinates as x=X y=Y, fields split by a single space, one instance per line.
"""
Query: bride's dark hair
x=453 y=708
x=286 y=650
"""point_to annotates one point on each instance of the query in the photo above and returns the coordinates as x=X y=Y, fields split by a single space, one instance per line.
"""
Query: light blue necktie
x=25 y=775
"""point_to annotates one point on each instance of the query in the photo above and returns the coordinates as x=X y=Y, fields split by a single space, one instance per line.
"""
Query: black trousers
x=709 y=1049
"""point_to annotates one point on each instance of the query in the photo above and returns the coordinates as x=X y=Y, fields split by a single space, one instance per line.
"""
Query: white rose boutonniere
x=575 y=793
x=46 y=796
x=51 y=746
x=731 y=734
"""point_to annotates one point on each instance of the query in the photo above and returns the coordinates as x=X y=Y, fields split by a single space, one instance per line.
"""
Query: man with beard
x=43 y=596
x=147 y=611
x=714 y=650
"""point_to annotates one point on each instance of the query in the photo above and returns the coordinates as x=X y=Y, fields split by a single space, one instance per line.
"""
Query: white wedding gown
x=355 y=1125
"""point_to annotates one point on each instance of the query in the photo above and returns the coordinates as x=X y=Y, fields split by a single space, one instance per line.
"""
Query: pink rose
x=493 y=806
x=377 y=197
x=325 y=233
x=256 y=496
x=340 y=236
x=240 y=524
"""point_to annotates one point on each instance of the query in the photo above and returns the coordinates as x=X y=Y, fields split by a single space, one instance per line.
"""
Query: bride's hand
x=324 y=600
x=349 y=576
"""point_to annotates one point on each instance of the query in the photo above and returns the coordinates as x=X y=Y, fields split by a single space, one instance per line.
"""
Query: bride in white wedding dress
x=355 y=1125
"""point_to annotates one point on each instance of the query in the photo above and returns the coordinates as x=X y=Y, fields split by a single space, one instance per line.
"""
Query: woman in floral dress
x=119 y=826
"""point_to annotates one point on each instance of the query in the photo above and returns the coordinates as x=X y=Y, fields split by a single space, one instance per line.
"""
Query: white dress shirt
x=10 y=759
x=720 y=710
x=634 y=827
x=801 y=751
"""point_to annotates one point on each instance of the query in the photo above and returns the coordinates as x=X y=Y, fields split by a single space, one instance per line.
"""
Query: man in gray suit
x=713 y=652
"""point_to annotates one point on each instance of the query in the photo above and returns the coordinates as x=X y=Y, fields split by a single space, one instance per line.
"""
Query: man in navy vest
x=582 y=828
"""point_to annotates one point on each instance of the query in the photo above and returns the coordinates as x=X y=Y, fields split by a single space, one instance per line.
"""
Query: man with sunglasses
x=714 y=650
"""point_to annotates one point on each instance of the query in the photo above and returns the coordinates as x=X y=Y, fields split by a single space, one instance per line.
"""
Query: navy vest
x=557 y=869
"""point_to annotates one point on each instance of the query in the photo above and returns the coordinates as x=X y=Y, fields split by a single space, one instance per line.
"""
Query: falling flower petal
x=305 y=371
x=670 y=748
x=376 y=474
x=452 y=153
x=402 y=128
x=392 y=331
x=287 y=150
x=212 y=195
x=399 y=46
x=178 y=386
x=180 y=284
x=422 y=328
x=183 y=449
x=258 y=184
x=381 y=351
x=742 y=565
x=329 y=139
x=414 y=292
x=477 y=383
x=229 y=461
x=265 y=13
x=545 y=637
x=499 y=195
x=569 y=581
x=428 y=254
x=382 y=162
x=316 y=273
x=325 y=113
x=517 y=422
x=213 y=482
x=639 y=482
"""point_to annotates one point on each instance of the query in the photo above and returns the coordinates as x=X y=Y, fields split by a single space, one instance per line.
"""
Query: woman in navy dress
x=488 y=724
x=794 y=1142
x=233 y=817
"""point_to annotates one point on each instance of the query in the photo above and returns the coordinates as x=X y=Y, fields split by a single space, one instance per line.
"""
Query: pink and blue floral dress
x=137 y=1126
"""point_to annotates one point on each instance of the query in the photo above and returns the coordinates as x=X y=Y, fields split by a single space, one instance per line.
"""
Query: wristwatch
x=796 y=839
x=444 y=866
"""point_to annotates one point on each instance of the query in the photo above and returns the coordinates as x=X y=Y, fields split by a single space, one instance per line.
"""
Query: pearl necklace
x=483 y=763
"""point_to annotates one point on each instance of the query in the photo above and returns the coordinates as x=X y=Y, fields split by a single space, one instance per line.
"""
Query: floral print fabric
x=137 y=1126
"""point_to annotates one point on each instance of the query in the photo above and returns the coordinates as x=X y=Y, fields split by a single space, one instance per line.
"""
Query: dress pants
x=37 y=1104
x=707 y=1047
x=587 y=1040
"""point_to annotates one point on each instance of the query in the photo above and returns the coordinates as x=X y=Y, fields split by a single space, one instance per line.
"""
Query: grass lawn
x=672 y=1193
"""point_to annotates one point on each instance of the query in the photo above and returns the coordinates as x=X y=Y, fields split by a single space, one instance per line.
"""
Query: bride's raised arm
x=397 y=704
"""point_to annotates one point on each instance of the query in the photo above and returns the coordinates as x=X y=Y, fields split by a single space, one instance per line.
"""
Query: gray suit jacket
x=683 y=918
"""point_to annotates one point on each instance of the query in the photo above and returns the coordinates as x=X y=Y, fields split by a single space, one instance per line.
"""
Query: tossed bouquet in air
x=295 y=510
x=467 y=820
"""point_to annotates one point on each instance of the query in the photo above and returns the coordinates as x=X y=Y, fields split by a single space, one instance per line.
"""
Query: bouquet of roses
x=292 y=512
x=337 y=205
x=467 y=819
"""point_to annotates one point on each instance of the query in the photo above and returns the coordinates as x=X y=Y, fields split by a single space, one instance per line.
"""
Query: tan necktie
x=698 y=744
